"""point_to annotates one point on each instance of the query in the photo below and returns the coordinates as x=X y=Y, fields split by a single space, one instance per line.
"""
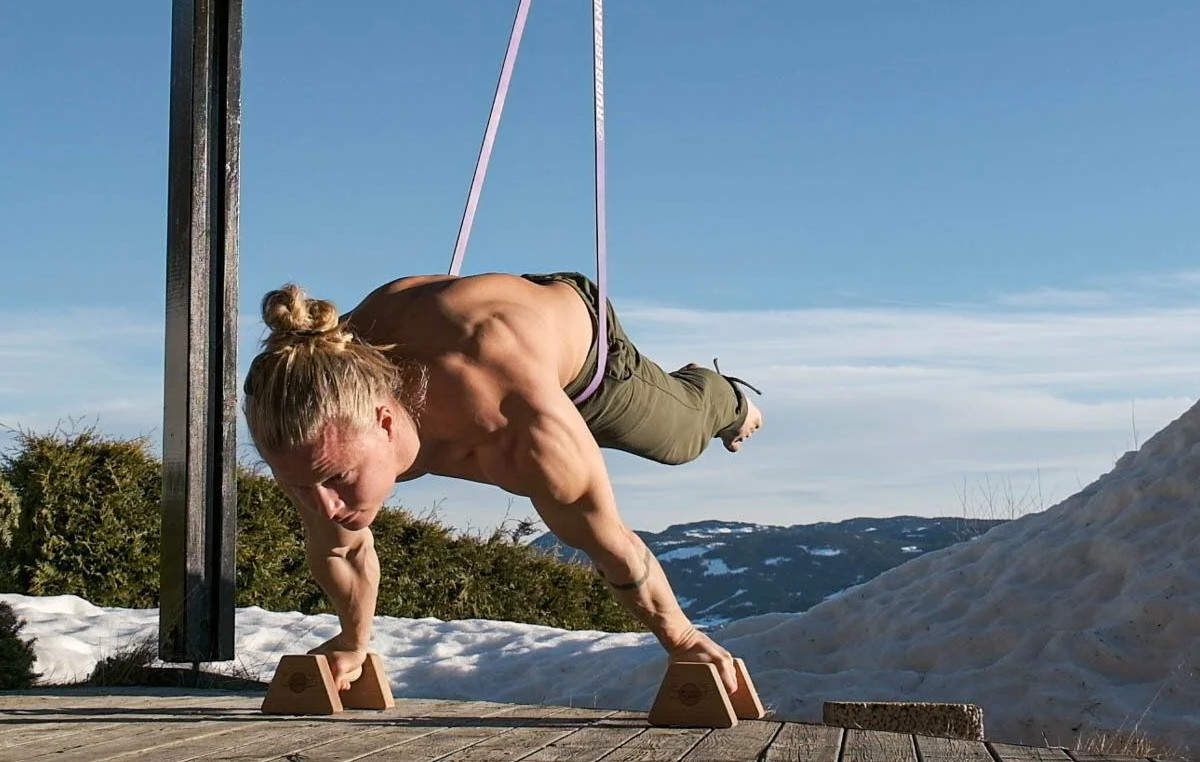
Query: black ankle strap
x=734 y=379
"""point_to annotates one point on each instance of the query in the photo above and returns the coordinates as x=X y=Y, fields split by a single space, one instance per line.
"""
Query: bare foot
x=754 y=421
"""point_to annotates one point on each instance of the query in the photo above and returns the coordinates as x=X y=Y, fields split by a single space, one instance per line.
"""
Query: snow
x=775 y=560
x=910 y=549
x=826 y=552
x=1084 y=616
x=743 y=529
x=716 y=567
x=679 y=554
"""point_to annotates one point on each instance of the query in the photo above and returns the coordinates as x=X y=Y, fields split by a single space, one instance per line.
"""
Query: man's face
x=345 y=475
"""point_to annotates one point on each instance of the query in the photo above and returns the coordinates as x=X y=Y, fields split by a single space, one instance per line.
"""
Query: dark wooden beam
x=199 y=507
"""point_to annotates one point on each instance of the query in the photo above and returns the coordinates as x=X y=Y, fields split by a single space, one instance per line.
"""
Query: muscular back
x=483 y=339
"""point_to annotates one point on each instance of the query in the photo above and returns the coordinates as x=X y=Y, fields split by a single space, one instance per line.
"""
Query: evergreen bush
x=16 y=655
x=425 y=571
x=10 y=508
x=87 y=516
x=272 y=571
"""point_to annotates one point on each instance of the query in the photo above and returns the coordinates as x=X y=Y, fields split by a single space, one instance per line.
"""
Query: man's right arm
x=344 y=564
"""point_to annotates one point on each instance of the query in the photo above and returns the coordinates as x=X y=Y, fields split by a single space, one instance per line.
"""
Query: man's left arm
x=553 y=458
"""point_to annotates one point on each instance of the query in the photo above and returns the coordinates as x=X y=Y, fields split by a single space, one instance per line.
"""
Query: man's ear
x=386 y=419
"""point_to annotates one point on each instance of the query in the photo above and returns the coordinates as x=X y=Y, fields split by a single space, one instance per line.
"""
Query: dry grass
x=1127 y=744
x=135 y=666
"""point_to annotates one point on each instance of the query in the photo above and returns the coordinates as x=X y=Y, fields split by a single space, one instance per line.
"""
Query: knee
x=683 y=451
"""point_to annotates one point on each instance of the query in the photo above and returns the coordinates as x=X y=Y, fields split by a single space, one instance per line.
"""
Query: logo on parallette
x=298 y=682
x=690 y=694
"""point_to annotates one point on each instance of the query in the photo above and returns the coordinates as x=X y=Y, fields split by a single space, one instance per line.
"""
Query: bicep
x=557 y=457
x=560 y=468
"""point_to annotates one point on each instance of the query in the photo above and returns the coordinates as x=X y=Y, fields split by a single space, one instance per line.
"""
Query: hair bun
x=289 y=310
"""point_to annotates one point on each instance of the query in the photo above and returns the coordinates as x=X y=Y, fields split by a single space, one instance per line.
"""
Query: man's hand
x=345 y=663
x=696 y=646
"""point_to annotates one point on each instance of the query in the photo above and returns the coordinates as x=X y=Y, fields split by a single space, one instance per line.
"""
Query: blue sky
x=956 y=243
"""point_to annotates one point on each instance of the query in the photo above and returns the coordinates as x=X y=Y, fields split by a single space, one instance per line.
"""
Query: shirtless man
x=474 y=378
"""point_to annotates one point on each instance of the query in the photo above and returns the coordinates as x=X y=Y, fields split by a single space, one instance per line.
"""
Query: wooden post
x=200 y=379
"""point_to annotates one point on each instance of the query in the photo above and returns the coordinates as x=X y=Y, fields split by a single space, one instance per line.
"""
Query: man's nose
x=328 y=502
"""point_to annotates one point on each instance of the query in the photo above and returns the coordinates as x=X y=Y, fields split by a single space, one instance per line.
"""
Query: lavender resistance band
x=485 y=154
x=489 y=137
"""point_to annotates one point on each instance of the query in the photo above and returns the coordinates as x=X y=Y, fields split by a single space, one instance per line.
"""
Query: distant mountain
x=725 y=570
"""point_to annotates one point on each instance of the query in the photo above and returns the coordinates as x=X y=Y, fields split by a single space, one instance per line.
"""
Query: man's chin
x=359 y=521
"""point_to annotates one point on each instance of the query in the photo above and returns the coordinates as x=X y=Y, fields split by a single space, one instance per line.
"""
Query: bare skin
x=754 y=421
x=498 y=351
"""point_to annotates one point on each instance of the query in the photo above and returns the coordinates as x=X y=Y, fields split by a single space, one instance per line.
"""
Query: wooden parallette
x=692 y=695
x=303 y=684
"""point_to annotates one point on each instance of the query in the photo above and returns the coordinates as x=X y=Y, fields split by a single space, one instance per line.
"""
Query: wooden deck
x=178 y=725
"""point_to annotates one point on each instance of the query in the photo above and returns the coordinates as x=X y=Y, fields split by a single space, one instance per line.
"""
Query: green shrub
x=16 y=655
x=425 y=571
x=87 y=524
x=272 y=572
x=10 y=508
x=89 y=518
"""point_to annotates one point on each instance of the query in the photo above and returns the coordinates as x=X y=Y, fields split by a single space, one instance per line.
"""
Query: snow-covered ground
x=1084 y=616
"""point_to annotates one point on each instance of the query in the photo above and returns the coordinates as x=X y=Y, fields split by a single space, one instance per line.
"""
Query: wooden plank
x=20 y=734
x=878 y=746
x=951 y=750
x=280 y=738
x=178 y=725
x=163 y=706
x=458 y=737
x=745 y=741
x=396 y=728
x=55 y=745
x=187 y=749
x=593 y=742
x=1012 y=753
x=72 y=732
x=183 y=749
x=658 y=745
x=158 y=739
x=67 y=727
x=520 y=742
x=811 y=743
x=114 y=702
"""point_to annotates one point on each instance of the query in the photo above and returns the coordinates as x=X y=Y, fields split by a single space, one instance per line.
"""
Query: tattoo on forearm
x=637 y=582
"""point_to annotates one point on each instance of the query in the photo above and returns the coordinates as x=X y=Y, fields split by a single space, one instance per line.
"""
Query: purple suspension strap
x=601 y=226
x=489 y=137
x=485 y=152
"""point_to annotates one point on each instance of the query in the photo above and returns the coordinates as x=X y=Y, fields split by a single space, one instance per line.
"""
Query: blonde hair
x=312 y=371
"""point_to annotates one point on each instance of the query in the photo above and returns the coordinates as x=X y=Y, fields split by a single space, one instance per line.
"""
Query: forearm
x=351 y=582
x=639 y=583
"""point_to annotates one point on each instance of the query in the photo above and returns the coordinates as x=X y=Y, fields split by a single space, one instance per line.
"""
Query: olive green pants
x=640 y=408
